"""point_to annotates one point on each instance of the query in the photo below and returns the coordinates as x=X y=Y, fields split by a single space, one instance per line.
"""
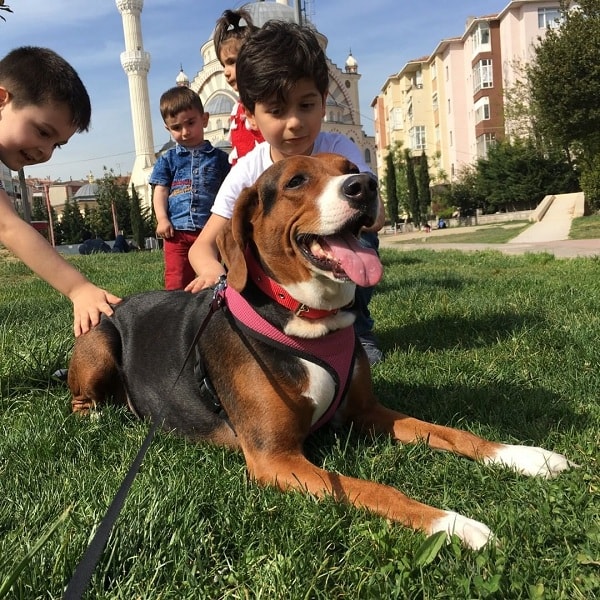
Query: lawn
x=500 y=233
x=506 y=347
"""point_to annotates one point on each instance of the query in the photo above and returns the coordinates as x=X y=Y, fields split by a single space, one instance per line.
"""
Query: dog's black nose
x=360 y=190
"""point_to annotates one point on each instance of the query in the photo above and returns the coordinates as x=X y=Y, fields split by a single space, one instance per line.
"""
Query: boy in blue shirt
x=186 y=179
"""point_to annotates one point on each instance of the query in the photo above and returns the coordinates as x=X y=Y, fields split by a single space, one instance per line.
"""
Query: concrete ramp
x=555 y=218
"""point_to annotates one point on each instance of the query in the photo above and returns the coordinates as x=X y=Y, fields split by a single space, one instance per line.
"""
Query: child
x=283 y=81
x=228 y=38
x=42 y=104
x=185 y=179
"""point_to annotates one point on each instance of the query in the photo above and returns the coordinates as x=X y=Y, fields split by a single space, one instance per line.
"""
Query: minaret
x=136 y=64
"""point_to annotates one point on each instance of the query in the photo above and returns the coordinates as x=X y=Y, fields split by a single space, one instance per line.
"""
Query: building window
x=433 y=71
x=396 y=119
x=482 y=110
x=481 y=38
x=484 y=142
x=434 y=101
x=482 y=75
x=549 y=18
x=418 y=81
x=417 y=137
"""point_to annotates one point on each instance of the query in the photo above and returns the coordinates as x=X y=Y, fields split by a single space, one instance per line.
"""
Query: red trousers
x=178 y=270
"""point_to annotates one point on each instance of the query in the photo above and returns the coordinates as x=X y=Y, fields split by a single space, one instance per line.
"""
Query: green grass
x=506 y=347
x=584 y=228
x=488 y=234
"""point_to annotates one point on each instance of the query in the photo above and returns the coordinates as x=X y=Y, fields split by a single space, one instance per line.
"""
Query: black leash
x=82 y=575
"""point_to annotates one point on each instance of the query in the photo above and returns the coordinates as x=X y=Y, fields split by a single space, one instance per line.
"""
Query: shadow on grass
x=443 y=333
x=524 y=413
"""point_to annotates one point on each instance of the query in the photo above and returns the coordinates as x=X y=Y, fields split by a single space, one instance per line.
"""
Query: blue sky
x=382 y=35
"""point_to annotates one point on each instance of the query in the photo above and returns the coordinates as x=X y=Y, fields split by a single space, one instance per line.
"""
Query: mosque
x=342 y=113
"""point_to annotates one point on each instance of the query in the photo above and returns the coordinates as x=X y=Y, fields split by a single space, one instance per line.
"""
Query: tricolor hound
x=278 y=357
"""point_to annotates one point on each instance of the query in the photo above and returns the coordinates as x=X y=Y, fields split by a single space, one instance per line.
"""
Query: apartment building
x=450 y=104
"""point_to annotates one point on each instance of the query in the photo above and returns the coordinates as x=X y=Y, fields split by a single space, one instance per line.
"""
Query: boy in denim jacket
x=185 y=179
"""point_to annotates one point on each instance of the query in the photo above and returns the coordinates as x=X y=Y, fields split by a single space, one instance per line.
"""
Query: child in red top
x=231 y=31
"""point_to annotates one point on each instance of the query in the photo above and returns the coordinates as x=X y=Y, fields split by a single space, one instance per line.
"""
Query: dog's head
x=303 y=216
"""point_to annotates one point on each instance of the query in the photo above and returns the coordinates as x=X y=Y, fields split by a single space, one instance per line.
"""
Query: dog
x=293 y=261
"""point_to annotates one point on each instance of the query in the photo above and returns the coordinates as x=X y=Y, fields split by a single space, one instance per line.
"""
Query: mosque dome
x=266 y=10
x=89 y=191
x=351 y=64
x=261 y=12
x=182 y=79
x=220 y=104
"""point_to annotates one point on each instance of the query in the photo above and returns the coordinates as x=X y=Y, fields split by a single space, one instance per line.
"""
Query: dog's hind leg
x=93 y=375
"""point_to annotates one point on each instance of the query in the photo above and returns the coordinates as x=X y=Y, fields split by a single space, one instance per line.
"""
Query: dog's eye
x=296 y=181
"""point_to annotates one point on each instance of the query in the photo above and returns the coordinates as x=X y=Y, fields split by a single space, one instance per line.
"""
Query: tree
x=142 y=225
x=463 y=194
x=424 y=187
x=56 y=227
x=4 y=7
x=390 y=187
x=72 y=222
x=565 y=81
x=413 y=189
x=519 y=117
x=39 y=212
x=113 y=207
x=516 y=175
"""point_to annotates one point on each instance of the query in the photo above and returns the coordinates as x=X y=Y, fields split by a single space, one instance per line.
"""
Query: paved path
x=556 y=222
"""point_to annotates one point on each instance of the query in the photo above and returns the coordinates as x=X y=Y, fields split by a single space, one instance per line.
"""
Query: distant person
x=283 y=81
x=42 y=104
x=121 y=245
x=185 y=179
x=231 y=31
x=92 y=245
x=442 y=224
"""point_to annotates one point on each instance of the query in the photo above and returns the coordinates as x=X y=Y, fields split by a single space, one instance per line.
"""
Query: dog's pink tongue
x=361 y=264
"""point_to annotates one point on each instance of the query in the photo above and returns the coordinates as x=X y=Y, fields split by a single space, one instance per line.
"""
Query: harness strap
x=334 y=352
x=82 y=575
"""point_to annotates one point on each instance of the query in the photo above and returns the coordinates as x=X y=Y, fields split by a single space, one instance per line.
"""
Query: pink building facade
x=451 y=103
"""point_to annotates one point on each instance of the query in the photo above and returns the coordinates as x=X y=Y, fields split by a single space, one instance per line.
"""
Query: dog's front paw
x=473 y=534
x=528 y=460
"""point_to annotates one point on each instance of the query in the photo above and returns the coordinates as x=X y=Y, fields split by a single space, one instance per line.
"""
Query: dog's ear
x=235 y=237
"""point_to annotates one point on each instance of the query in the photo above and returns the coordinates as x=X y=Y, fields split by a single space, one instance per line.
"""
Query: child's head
x=43 y=102
x=275 y=58
x=283 y=81
x=231 y=31
x=184 y=116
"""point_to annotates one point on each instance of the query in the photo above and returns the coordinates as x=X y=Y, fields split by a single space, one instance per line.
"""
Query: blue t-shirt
x=193 y=176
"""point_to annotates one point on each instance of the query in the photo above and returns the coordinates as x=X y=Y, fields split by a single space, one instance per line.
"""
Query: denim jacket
x=193 y=176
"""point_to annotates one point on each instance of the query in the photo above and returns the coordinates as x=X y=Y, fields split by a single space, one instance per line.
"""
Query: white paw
x=472 y=533
x=536 y=462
